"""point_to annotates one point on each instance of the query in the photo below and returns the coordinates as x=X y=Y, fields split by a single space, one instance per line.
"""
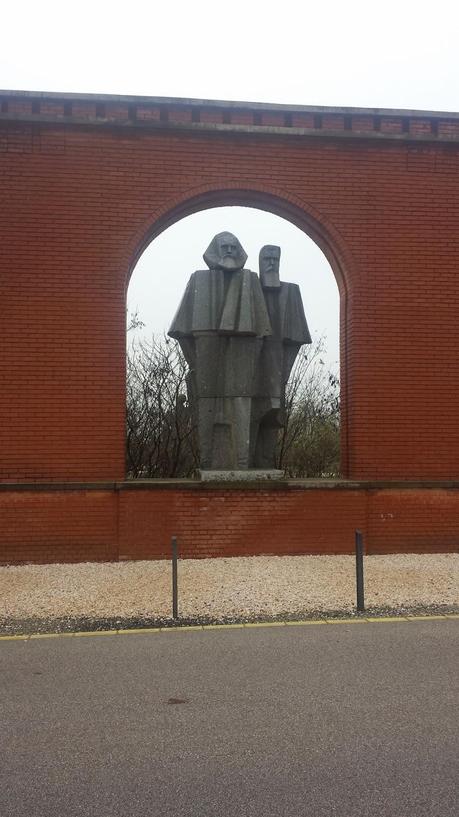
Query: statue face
x=228 y=248
x=225 y=252
x=269 y=266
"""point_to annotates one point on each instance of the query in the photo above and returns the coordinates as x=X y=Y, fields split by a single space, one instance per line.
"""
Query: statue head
x=269 y=261
x=225 y=252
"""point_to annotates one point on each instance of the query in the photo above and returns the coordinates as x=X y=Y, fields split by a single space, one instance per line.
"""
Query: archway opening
x=160 y=437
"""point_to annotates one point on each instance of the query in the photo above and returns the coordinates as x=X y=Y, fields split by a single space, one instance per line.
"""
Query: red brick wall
x=112 y=523
x=219 y=522
x=58 y=526
x=418 y=520
x=78 y=204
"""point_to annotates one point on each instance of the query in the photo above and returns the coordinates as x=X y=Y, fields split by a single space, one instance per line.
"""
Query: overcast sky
x=393 y=54
x=180 y=249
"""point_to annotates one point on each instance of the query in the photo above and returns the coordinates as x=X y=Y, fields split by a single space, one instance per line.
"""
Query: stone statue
x=240 y=335
x=289 y=331
x=220 y=325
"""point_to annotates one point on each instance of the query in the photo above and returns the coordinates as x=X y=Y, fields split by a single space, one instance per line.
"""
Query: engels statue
x=240 y=335
x=289 y=331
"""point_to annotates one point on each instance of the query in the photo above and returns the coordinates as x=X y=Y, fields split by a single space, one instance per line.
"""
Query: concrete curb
x=241 y=626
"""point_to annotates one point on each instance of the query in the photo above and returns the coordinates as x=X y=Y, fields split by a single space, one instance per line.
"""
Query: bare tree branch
x=159 y=431
x=162 y=442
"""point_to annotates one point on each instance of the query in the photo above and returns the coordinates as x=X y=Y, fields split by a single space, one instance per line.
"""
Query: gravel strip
x=226 y=589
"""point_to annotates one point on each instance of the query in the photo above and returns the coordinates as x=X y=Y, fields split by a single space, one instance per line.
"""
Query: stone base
x=241 y=476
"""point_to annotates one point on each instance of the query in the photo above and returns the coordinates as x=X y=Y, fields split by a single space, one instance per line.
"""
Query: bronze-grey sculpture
x=240 y=335
x=289 y=331
x=220 y=325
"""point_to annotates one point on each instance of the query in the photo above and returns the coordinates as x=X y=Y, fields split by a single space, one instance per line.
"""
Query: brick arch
x=89 y=182
x=300 y=213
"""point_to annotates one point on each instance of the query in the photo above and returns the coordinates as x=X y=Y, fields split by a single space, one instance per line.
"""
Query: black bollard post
x=359 y=571
x=174 y=577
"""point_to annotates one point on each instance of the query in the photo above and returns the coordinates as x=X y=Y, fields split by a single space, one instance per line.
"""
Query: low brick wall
x=135 y=520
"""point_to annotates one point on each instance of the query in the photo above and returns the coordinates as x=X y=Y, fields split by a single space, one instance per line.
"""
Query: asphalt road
x=319 y=720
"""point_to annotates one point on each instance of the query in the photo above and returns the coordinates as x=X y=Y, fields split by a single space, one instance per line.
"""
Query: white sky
x=180 y=248
x=394 y=54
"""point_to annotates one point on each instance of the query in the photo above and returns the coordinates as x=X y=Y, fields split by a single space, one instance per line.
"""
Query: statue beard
x=230 y=264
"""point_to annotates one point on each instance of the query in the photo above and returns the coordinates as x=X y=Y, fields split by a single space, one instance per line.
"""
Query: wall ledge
x=256 y=485
x=163 y=113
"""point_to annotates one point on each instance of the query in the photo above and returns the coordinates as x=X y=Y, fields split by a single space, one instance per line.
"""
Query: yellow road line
x=265 y=624
x=177 y=629
x=378 y=619
x=143 y=630
x=426 y=618
x=235 y=626
x=223 y=626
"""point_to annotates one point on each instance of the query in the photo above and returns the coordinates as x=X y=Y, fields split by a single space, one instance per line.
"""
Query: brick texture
x=78 y=204
x=113 y=523
x=58 y=526
x=237 y=522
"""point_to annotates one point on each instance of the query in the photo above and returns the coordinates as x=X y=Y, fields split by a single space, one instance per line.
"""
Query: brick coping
x=256 y=485
x=219 y=103
x=180 y=113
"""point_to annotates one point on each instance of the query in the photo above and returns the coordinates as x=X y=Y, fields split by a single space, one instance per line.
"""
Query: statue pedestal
x=250 y=475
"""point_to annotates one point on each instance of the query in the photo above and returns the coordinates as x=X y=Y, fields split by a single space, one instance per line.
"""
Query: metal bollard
x=174 y=577
x=359 y=571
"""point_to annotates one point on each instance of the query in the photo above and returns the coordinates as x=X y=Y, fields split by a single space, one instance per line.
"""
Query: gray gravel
x=226 y=588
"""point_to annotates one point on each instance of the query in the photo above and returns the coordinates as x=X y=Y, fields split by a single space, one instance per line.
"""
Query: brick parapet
x=102 y=110
x=104 y=522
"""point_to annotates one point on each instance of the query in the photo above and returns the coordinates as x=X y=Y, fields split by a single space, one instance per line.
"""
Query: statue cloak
x=279 y=350
x=289 y=332
x=220 y=325
x=229 y=303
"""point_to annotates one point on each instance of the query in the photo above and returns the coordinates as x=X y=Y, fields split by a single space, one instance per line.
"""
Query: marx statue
x=289 y=331
x=240 y=335
x=220 y=325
